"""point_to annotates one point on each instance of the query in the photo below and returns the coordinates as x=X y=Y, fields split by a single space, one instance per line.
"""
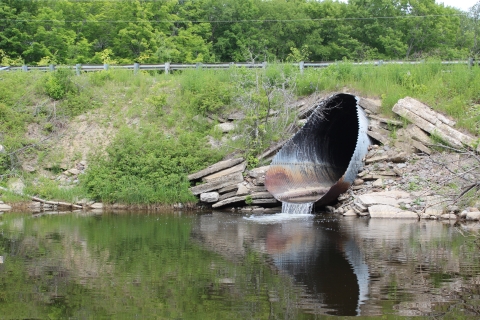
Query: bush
x=147 y=167
x=58 y=84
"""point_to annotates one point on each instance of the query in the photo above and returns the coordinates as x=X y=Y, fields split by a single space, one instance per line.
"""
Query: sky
x=464 y=5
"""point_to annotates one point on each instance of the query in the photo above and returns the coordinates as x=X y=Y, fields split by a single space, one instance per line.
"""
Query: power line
x=238 y=21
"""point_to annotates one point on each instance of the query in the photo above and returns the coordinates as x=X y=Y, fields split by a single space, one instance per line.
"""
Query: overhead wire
x=239 y=21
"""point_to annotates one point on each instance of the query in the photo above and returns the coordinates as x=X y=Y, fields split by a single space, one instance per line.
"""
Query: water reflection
x=316 y=252
x=351 y=266
x=223 y=265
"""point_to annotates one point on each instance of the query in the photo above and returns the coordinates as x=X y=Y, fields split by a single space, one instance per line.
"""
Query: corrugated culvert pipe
x=321 y=160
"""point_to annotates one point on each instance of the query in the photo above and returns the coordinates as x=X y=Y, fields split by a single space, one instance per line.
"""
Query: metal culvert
x=321 y=160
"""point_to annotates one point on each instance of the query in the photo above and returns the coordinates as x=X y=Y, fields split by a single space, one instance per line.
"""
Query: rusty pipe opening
x=322 y=159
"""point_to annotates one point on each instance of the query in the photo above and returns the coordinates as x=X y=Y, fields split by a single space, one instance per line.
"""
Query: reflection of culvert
x=322 y=160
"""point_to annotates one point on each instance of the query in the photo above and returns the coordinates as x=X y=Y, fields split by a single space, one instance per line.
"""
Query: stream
x=215 y=265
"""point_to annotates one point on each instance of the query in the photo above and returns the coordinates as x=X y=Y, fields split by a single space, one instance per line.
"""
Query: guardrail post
x=51 y=67
x=470 y=62
x=167 y=67
x=302 y=66
x=198 y=65
x=380 y=63
x=264 y=65
x=136 y=67
x=105 y=66
x=25 y=68
x=78 y=69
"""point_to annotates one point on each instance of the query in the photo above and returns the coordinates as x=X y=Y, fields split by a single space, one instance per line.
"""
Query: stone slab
x=229 y=201
x=379 y=137
x=217 y=183
x=230 y=188
x=5 y=207
x=369 y=104
x=431 y=121
x=392 y=198
x=265 y=201
x=215 y=168
x=227 y=195
x=386 y=211
x=237 y=168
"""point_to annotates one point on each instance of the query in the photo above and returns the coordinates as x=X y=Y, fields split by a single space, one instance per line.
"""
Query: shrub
x=147 y=167
x=58 y=84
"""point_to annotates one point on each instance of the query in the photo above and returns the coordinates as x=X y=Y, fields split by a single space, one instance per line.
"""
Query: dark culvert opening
x=322 y=159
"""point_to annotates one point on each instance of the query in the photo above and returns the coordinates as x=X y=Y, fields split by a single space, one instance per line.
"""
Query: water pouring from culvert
x=321 y=160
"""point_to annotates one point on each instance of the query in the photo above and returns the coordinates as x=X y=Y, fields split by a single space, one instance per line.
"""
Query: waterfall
x=297 y=208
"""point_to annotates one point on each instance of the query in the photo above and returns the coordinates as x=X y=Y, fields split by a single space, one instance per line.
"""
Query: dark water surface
x=229 y=266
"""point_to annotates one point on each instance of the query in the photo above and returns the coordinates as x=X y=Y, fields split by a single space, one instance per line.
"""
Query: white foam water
x=290 y=211
x=278 y=217
x=297 y=208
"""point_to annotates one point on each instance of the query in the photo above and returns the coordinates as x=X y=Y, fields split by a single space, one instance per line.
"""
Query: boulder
x=225 y=127
x=209 y=197
x=474 y=216
x=435 y=205
x=387 y=211
x=448 y=216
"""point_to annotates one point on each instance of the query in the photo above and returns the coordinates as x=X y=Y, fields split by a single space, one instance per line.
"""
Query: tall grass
x=452 y=89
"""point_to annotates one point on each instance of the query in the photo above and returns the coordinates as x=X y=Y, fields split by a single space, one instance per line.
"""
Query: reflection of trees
x=131 y=265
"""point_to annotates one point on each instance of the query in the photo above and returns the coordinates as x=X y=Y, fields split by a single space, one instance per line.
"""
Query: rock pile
x=402 y=176
x=229 y=183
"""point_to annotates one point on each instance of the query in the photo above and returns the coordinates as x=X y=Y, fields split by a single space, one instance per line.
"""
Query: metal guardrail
x=167 y=67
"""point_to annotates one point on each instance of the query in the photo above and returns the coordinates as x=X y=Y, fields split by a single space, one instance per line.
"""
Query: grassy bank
x=142 y=134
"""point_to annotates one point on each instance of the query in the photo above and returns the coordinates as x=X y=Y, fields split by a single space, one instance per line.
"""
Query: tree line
x=188 y=31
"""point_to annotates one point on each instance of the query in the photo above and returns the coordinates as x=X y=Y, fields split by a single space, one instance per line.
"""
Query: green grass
x=452 y=89
x=161 y=121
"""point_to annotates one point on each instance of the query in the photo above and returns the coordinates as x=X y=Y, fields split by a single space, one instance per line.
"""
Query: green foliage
x=277 y=30
x=147 y=166
x=206 y=91
x=49 y=189
x=58 y=84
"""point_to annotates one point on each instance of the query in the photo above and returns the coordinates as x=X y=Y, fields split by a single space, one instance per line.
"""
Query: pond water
x=222 y=265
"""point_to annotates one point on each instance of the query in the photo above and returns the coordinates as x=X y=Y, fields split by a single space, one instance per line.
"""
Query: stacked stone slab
x=228 y=183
